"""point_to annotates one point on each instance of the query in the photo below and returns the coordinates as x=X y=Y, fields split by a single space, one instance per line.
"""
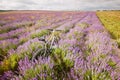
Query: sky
x=59 y=4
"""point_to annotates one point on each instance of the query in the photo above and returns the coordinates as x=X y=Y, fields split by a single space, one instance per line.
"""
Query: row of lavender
x=25 y=41
x=29 y=46
x=27 y=30
x=86 y=52
x=94 y=53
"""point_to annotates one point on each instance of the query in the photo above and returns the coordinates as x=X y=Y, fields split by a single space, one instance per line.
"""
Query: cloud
x=59 y=4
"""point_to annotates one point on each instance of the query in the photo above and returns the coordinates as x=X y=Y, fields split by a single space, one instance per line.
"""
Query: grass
x=111 y=21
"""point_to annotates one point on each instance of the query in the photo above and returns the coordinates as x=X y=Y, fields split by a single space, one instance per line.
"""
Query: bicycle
x=50 y=42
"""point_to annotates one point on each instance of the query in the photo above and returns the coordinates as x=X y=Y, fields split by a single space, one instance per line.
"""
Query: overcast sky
x=59 y=4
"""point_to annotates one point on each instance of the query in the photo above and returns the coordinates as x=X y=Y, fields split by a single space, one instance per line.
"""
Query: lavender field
x=44 y=45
